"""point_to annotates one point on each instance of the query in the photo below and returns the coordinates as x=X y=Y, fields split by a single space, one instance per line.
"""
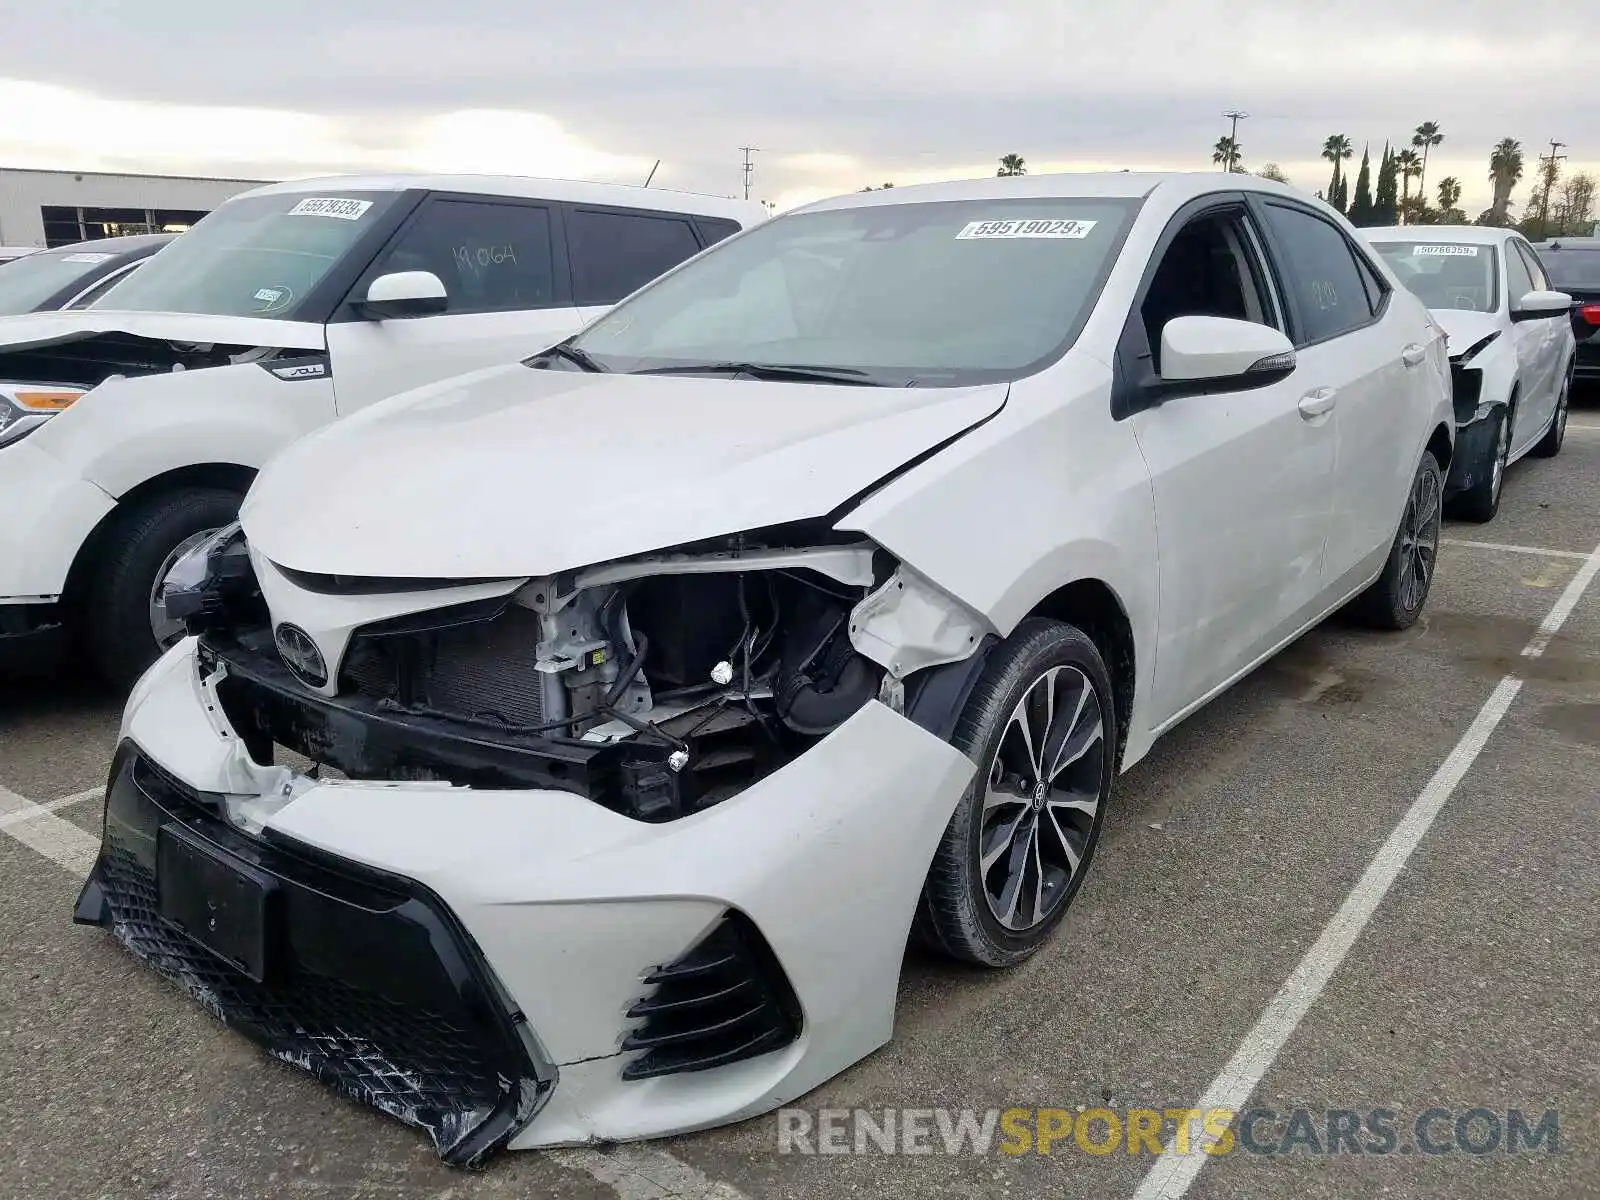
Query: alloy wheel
x=1419 y=540
x=1042 y=799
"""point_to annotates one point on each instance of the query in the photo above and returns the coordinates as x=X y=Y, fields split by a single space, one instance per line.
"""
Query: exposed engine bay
x=658 y=686
x=90 y=361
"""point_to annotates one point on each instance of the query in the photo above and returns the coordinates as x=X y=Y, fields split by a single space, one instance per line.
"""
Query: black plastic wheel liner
x=375 y=987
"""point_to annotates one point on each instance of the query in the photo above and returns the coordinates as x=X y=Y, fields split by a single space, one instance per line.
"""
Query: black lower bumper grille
x=725 y=1000
x=376 y=991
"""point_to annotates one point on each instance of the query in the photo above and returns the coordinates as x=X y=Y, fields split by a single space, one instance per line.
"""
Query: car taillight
x=1590 y=313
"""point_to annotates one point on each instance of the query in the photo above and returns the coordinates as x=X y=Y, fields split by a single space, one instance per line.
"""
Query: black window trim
x=347 y=310
x=325 y=303
x=1131 y=362
x=1536 y=268
x=1280 y=257
x=1510 y=247
x=706 y=240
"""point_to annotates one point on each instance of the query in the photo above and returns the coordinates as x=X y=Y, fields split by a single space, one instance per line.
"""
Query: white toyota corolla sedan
x=1511 y=343
x=567 y=751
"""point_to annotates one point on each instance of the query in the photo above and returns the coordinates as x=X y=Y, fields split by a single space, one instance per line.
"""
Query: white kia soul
x=130 y=430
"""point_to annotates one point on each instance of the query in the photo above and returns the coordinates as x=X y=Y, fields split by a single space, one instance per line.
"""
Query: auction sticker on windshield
x=1441 y=250
x=1022 y=228
x=327 y=206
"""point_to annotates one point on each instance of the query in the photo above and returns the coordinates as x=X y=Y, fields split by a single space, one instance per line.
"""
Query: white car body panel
x=1223 y=524
x=748 y=453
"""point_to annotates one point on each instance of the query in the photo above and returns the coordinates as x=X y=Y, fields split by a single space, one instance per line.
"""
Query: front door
x=496 y=258
x=1241 y=479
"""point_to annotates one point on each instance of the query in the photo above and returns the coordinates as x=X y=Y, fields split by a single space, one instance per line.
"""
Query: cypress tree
x=1361 y=207
x=1387 y=201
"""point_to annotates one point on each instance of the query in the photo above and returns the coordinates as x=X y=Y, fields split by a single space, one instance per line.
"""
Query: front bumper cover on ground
x=551 y=944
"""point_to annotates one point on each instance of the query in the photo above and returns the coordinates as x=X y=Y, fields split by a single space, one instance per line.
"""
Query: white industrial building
x=56 y=208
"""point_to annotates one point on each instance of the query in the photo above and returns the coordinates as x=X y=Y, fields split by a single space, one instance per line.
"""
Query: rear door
x=502 y=264
x=1369 y=359
x=616 y=251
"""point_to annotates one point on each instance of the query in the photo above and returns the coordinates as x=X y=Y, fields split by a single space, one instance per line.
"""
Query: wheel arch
x=225 y=476
x=1093 y=606
x=1442 y=446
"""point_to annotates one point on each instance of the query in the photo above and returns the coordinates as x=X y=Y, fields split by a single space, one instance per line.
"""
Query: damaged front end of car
x=657 y=688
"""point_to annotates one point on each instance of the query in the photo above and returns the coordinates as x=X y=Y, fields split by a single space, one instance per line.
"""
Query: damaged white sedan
x=566 y=752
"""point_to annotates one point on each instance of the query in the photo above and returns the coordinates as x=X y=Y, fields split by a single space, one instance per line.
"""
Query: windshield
x=259 y=256
x=1456 y=275
x=935 y=294
x=26 y=283
x=1567 y=268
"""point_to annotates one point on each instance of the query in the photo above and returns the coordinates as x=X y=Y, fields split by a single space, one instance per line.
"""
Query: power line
x=1235 y=116
x=749 y=167
x=1550 y=162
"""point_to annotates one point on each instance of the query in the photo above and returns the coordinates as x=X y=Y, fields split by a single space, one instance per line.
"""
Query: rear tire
x=118 y=629
x=1481 y=501
x=1550 y=444
x=1041 y=724
x=1396 y=598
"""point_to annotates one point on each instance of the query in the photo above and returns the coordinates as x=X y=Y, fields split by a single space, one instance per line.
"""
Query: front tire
x=1396 y=598
x=123 y=626
x=1481 y=501
x=1041 y=724
x=1550 y=444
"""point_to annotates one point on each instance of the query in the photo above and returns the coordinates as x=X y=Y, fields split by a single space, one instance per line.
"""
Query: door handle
x=1318 y=403
x=1413 y=354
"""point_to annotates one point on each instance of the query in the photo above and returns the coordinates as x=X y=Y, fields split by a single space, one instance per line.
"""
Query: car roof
x=1569 y=243
x=1478 y=235
x=528 y=187
x=1066 y=185
x=127 y=243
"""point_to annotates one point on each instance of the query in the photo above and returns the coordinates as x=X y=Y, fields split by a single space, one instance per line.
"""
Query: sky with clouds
x=837 y=94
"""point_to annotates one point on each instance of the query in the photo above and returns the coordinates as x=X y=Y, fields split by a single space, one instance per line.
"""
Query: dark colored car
x=1573 y=265
x=73 y=276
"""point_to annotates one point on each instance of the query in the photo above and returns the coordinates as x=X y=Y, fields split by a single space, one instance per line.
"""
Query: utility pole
x=1233 y=136
x=749 y=167
x=1550 y=168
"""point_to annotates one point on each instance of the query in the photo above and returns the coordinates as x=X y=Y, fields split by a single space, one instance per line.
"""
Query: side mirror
x=1536 y=306
x=405 y=294
x=1222 y=354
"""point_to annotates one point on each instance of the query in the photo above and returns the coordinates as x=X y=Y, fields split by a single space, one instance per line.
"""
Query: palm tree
x=1449 y=197
x=1336 y=149
x=1227 y=153
x=1012 y=164
x=1409 y=166
x=1426 y=137
x=1505 y=170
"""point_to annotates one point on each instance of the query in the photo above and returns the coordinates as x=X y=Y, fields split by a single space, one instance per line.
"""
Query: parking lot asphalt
x=1227 y=853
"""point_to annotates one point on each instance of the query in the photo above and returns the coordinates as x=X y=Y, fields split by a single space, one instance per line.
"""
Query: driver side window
x=1518 y=281
x=1211 y=269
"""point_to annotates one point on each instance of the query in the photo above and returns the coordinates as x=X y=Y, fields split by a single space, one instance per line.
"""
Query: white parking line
x=1173 y=1172
x=1510 y=549
x=636 y=1172
x=39 y=829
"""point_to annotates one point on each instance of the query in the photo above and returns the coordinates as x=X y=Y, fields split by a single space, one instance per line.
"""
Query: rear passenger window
x=1328 y=285
x=714 y=229
x=616 y=253
x=490 y=257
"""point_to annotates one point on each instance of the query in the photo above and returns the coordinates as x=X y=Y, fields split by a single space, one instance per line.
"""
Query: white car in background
x=130 y=430
x=658 y=685
x=1512 y=348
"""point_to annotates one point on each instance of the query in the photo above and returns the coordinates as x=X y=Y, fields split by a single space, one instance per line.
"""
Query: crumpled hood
x=1465 y=328
x=516 y=471
x=29 y=330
